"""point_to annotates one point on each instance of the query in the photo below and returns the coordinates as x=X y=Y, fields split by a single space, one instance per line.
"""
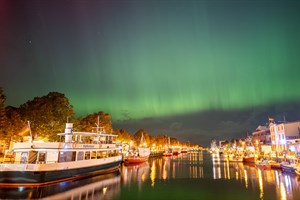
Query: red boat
x=135 y=159
x=249 y=159
x=275 y=165
x=140 y=156
x=167 y=153
x=263 y=165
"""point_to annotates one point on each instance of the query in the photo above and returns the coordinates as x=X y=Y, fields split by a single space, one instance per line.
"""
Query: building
x=285 y=136
x=261 y=135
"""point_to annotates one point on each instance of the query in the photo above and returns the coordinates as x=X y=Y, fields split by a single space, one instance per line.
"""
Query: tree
x=123 y=136
x=47 y=114
x=16 y=127
x=3 y=119
x=89 y=122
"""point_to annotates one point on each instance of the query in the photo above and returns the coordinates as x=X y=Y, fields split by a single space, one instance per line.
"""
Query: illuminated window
x=87 y=155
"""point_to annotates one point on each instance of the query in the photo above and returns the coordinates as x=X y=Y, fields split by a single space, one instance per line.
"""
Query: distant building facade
x=262 y=135
x=285 y=135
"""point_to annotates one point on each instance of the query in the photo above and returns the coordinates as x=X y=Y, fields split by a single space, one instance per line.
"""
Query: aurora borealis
x=159 y=65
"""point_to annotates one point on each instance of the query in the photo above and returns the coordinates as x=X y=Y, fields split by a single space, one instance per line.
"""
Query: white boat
x=235 y=158
x=41 y=163
x=142 y=155
x=168 y=151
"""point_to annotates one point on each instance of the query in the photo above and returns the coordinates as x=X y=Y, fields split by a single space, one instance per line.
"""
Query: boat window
x=73 y=155
x=24 y=157
x=32 y=157
x=62 y=157
x=42 y=157
x=94 y=155
x=99 y=154
x=87 y=155
x=67 y=156
x=80 y=155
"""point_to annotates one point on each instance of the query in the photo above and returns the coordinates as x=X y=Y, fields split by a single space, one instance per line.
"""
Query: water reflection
x=105 y=188
x=286 y=185
x=99 y=187
x=164 y=168
x=193 y=166
x=135 y=173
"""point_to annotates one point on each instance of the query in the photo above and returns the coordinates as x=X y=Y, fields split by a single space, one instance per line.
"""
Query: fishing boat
x=249 y=159
x=235 y=158
x=184 y=150
x=176 y=151
x=274 y=164
x=288 y=167
x=263 y=164
x=142 y=154
x=168 y=152
x=77 y=155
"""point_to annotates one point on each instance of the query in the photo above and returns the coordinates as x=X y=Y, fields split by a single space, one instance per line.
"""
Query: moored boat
x=249 y=159
x=142 y=155
x=40 y=163
x=176 y=151
x=235 y=158
x=274 y=165
x=287 y=167
x=184 y=150
x=264 y=164
x=167 y=153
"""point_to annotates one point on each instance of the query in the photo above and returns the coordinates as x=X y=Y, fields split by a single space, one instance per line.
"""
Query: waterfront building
x=285 y=136
x=262 y=135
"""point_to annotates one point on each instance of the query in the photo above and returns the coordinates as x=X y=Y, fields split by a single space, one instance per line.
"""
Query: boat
x=36 y=163
x=176 y=151
x=264 y=164
x=235 y=158
x=249 y=159
x=288 y=167
x=168 y=152
x=142 y=154
x=274 y=164
x=184 y=150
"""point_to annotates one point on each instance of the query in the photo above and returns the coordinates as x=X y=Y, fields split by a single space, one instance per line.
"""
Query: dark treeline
x=48 y=114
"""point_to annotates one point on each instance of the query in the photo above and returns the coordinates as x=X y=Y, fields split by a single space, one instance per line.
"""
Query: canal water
x=186 y=176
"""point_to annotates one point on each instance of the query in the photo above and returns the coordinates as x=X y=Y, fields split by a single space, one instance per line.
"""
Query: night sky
x=195 y=69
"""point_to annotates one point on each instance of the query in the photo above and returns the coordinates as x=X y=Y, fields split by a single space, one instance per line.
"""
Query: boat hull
x=286 y=168
x=249 y=159
x=135 y=159
x=38 y=178
x=167 y=154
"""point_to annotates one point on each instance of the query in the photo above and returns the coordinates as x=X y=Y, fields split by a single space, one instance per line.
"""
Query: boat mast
x=30 y=131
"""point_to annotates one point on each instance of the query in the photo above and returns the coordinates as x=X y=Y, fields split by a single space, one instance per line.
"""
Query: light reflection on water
x=190 y=172
x=194 y=166
x=286 y=185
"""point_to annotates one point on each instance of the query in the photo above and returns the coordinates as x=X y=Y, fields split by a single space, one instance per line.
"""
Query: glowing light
x=261 y=186
x=104 y=190
x=246 y=178
x=283 y=195
x=153 y=174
